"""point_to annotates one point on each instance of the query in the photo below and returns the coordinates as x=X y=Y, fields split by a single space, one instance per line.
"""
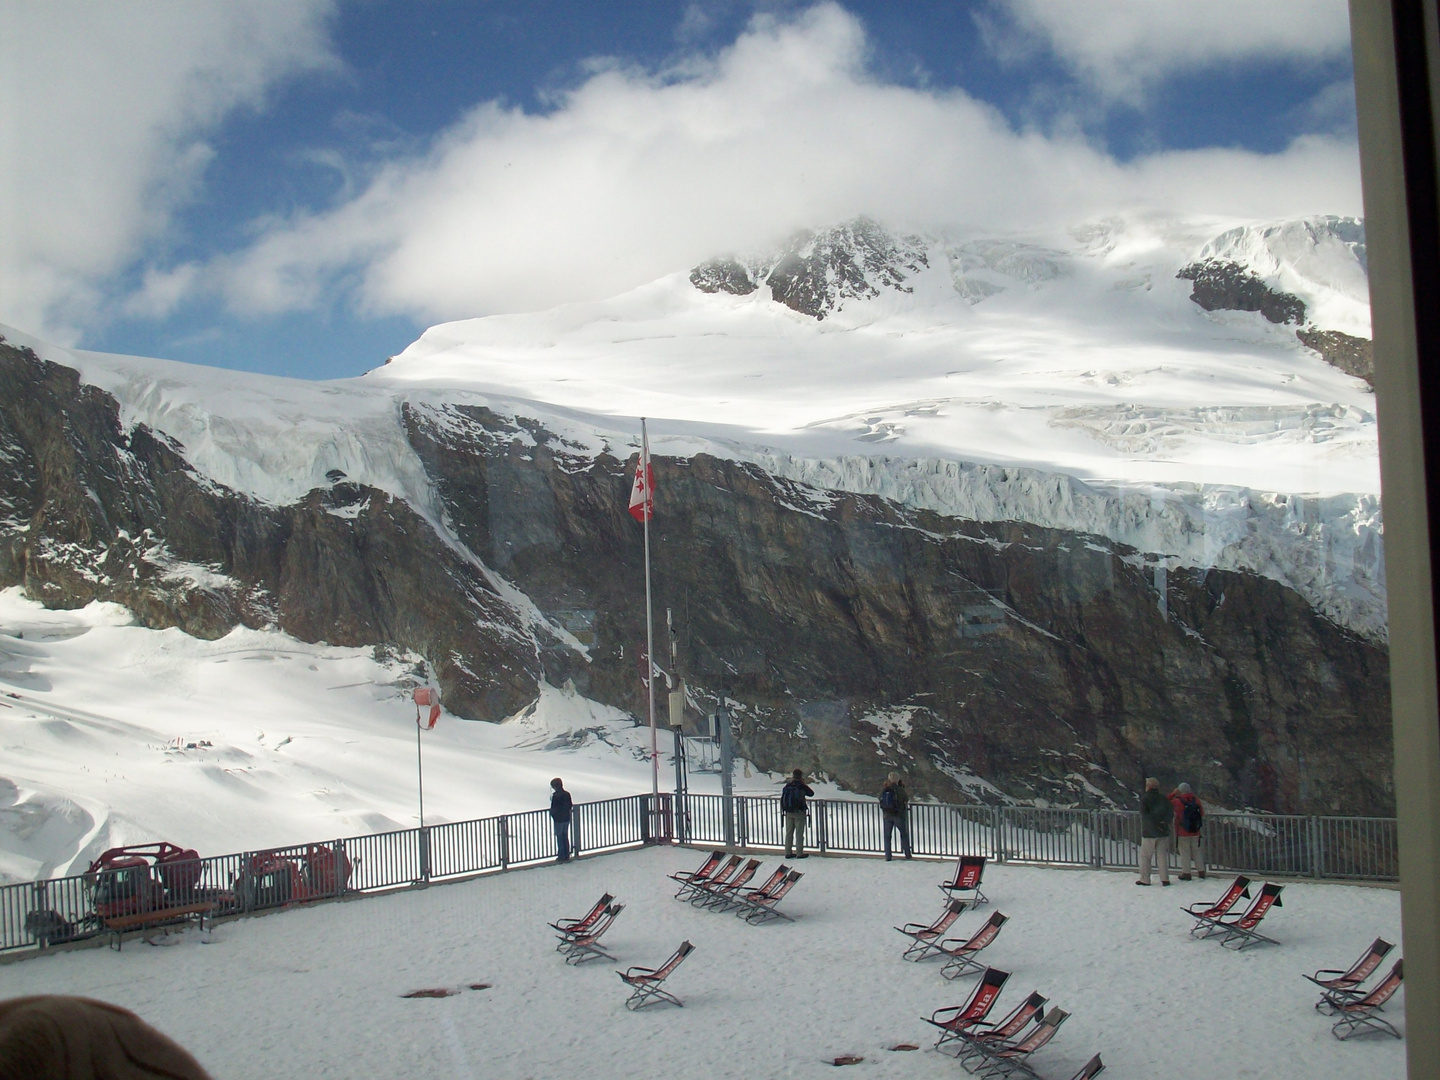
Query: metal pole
x=727 y=791
x=649 y=626
x=419 y=767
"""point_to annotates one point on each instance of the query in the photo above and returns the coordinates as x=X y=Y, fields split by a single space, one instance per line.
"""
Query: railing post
x=742 y=822
x=821 y=821
x=342 y=879
x=1317 y=856
x=424 y=841
x=999 y=819
x=645 y=819
x=1095 y=839
x=502 y=826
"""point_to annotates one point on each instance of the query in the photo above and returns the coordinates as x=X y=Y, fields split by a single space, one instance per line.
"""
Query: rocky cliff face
x=850 y=634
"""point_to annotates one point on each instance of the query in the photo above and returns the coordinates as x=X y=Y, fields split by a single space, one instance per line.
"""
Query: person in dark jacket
x=792 y=808
x=1187 y=840
x=1156 y=814
x=561 y=807
x=894 y=810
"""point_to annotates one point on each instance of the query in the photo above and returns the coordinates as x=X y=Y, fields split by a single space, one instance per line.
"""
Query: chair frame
x=961 y=1018
x=737 y=896
x=761 y=909
x=647 y=984
x=1002 y=1059
x=1205 y=919
x=688 y=878
x=925 y=938
x=960 y=955
x=1032 y=1008
x=1346 y=984
x=1358 y=1016
x=691 y=889
x=713 y=895
x=975 y=897
x=585 y=947
x=1242 y=931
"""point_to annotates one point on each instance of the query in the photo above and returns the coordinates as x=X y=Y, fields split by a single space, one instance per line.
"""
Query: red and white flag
x=425 y=695
x=642 y=495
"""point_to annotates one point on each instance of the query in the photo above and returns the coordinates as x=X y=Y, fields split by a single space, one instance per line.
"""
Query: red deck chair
x=718 y=895
x=688 y=878
x=733 y=898
x=960 y=955
x=954 y=1020
x=1032 y=1008
x=567 y=928
x=925 y=939
x=1357 y=1015
x=1346 y=984
x=693 y=889
x=647 y=984
x=582 y=947
x=758 y=909
x=1205 y=915
x=968 y=872
x=1002 y=1059
x=1241 y=932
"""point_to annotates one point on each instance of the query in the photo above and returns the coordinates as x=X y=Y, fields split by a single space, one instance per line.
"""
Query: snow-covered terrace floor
x=317 y=992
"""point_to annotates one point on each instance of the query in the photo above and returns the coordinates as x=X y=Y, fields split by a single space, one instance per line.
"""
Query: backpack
x=1191 y=816
x=792 y=799
x=889 y=801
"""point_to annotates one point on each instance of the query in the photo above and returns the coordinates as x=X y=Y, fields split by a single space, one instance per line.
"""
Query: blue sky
x=301 y=187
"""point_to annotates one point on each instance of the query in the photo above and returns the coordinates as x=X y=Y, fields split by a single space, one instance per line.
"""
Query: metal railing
x=58 y=910
x=35 y=914
x=1338 y=848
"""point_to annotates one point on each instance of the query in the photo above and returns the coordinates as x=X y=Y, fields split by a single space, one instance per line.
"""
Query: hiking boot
x=1202 y=875
x=1165 y=884
x=1145 y=883
x=1184 y=877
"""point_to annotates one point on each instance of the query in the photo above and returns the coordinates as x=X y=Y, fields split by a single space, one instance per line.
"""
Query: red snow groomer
x=275 y=878
x=144 y=877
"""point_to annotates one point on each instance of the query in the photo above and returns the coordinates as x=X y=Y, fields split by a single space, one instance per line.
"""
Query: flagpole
x=649 y=623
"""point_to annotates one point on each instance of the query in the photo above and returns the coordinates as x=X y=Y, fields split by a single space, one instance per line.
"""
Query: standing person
x=561 y=807
x=1189 y=819
x=894 y=806
x=792 y=807
x=1156 y=814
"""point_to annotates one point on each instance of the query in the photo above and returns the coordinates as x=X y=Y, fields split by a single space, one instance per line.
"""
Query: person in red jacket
x=1189 y=819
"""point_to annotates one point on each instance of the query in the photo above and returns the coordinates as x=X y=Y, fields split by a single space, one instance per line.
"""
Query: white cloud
x=1122 y=46
x=104 y=109
x=637 y=174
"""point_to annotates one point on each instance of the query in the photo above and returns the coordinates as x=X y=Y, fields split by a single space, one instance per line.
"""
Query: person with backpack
x=792 y=808
x=1156 y=817
x=561 y=807
x=894 y=808
x=1189 y=819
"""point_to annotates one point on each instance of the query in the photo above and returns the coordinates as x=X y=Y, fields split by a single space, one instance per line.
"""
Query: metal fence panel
x=1358 y=848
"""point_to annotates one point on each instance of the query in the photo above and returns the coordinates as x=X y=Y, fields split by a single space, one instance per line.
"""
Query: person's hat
x=1185 y=789
x=798 y=774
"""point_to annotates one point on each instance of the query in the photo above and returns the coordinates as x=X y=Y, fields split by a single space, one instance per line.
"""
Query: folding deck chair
x=1206 y=914
x=968 y=872
x=954 y=1020
x=1003 y=1059
x=925 y=940
x=691 y=889
x=1357 y=1015
x=735 y=896
x=586 y=946
x=1346 y=984
x=687 y=878
x=960 y=955
x=1242 y=931
x=1091 y=1069
x=569 y=927
x=647 y=984
x=760 y=909
x=1032 y=1008
x=718 y=895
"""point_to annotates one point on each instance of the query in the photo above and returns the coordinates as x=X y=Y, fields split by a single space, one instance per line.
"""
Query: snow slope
x=115 y=734
x=317 y=992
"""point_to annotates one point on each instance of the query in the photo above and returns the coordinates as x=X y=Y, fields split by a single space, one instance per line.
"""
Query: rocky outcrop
x=1229 y=286
x=1352 y=355
x=815 y=273
x=851 y=635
